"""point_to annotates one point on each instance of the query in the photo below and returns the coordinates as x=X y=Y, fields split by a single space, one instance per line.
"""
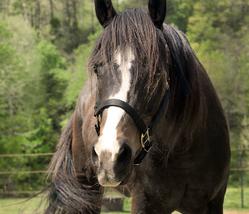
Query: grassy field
x=23 y=206
x=233 y=199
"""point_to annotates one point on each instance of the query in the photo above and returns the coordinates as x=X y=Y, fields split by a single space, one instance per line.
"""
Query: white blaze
x=108 y=139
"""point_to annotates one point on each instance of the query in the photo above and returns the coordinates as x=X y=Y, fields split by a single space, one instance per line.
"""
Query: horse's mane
x=67 y=194
x=187 y=110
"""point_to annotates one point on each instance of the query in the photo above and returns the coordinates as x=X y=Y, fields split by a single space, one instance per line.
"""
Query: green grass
x=23 y=206
x=20 y=206
x=233 y=199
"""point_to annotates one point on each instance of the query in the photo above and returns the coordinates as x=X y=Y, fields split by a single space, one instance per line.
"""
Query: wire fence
x=239 y=172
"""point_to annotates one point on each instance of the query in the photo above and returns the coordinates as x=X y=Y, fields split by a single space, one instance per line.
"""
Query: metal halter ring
x=146 y=140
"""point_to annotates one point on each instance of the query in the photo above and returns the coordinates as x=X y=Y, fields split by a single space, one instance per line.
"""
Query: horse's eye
x=115 y=66
x=95 y=69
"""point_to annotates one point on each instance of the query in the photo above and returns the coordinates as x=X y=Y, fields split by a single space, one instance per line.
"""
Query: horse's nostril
x=94 y=155
x=124 y=153
x=121 y=150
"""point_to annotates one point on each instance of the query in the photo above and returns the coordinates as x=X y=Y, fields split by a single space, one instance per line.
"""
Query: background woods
x=44 y=47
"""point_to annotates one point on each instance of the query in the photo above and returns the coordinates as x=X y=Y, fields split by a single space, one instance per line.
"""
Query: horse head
x=131 y=82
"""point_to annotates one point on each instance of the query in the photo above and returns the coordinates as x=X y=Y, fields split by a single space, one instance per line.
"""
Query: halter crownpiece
x=145 y=131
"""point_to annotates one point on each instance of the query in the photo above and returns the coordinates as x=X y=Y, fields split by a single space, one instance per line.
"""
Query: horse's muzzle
x=111 y=171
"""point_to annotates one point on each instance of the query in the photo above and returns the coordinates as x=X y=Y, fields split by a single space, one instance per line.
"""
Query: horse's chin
x=111 y=184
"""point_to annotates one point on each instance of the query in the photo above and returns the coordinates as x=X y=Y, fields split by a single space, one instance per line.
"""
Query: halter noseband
x=145 y=131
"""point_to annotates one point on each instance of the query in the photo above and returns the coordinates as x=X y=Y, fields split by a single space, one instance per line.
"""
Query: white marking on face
x=108 y=140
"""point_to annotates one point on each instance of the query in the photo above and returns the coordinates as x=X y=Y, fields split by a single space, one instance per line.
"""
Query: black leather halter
x=145 y=131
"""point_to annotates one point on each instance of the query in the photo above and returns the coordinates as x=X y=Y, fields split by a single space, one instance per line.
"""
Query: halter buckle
x=146 y=140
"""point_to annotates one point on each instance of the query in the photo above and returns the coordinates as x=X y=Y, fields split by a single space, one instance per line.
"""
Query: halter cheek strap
x=126 y=107
x=145 y=131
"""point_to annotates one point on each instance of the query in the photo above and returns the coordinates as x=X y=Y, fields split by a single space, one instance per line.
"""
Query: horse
x=148 y=123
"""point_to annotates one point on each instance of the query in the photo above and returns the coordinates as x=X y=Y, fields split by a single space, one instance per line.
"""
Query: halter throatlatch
x=145 y=131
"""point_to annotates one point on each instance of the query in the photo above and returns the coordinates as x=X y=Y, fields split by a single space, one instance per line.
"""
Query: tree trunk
x=74 y=14
x=37 y=15
x=51 y=6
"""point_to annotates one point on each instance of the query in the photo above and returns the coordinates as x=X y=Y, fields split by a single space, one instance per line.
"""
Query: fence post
x=241 y=176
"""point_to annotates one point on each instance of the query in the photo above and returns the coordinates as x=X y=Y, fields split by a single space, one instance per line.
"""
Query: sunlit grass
x=21 y=206
x=233 y=199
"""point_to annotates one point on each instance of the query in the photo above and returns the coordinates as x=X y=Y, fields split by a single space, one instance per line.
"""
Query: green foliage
x=51 y=109
x=32 y=85
x=13 y=86
x=179 y=12
x=79 y=69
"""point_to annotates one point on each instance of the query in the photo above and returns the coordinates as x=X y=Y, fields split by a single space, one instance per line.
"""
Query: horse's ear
x=157 y=10
x=104 y=11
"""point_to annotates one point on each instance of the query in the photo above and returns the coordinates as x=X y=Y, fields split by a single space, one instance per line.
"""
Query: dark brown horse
x=148 y=123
